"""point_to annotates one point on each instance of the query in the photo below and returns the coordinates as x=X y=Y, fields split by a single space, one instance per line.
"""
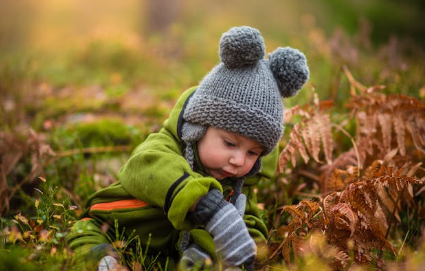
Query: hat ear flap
x=289 y=67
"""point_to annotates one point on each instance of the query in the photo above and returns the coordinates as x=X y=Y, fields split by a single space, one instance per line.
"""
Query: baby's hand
x=224 y=222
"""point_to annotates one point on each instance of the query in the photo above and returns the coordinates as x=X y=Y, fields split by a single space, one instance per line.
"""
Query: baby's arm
x=158 y=173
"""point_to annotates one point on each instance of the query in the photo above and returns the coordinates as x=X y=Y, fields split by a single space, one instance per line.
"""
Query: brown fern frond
x=412 y=170
x=295 y=144
x=388 y=159
x=400 y=133
x=329 y=201
x=287 y=154
x=415 y=131
x=291 y=112
x=334 y=182
x=387 y=201
x=325 y=131
x=343 y=218
x=310 y=207
x=401 y=103
x=293 y=211
x=366 y=132
x=394 y=176
x=420 y=124
x=394 y=186
x=363 y=198
x=339 y=179
x=314 y=130
x=384 y=120
x=346 y=159
x=380 y=223
x=290 y=245
x=311 y=136
x=341 y=260
x=394 y=113
x=287 y=249
x=303 y=213
x=299 y=144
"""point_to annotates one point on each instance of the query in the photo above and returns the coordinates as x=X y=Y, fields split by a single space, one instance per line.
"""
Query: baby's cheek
x=247 y=169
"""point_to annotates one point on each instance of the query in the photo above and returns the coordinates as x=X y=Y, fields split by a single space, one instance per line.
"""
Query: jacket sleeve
x=158 y=173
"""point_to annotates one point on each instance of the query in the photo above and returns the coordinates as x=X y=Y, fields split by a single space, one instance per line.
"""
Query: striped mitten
x=223 y=221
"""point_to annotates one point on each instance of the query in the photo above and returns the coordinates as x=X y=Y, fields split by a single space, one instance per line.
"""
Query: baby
x=187 y=192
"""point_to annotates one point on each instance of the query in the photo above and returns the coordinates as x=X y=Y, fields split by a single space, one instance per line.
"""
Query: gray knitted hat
x=243 y=94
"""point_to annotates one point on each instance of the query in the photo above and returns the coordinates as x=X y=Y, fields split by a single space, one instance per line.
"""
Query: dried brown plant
x=356 y=220
x=23 y=146
x=364 y=190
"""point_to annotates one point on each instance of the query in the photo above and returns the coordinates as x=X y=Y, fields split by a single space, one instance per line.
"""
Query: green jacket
x=155 y=191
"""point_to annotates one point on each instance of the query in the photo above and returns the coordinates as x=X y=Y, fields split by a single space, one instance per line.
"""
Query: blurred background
x=167 y=45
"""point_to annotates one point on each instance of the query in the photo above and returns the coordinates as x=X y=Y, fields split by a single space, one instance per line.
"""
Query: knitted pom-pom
x=289 y=67
x=241 y=46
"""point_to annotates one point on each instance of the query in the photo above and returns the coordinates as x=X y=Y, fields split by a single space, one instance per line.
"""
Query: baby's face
x=226 y=154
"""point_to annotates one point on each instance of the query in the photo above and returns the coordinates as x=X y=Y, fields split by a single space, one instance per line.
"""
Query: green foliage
x=105 y=132
x=37 y=241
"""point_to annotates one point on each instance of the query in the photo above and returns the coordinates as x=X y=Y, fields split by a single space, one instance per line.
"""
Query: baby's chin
x=216 y=174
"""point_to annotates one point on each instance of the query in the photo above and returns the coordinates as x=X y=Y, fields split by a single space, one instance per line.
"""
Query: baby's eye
x=253 y=153
x=228 y=143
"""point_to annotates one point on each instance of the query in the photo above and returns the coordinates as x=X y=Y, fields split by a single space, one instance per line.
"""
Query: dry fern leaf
x=362 y=197
x=414 y=130
x=344 y=160
x=329 y=201
x=307 y=136
x=302 y=214
x=366 y=132
x=400 y=133
x=299 y=144
x=384 y=120
x=388 y=202
x=291 y=112
x=343 y=217
x=395 y=114
x=286 y=251
x=291 y=245
x=325 y=130
x=367 y=123
x=311 y=136
x=288 y=153
x=293 y=211
x=380 y=223
x=413 y=170
x=285 y=156
x=334 y=183
x=339 y=179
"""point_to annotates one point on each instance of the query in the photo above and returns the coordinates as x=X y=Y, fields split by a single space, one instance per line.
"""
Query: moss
x=106 y=132
x=16 y=259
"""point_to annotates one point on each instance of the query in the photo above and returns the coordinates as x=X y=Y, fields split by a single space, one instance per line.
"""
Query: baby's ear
x=289 y=67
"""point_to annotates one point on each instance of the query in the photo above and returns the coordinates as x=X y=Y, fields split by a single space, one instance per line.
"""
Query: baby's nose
x=237 y=159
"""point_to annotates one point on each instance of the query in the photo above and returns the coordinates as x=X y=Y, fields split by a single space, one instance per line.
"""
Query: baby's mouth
x=227 y=174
